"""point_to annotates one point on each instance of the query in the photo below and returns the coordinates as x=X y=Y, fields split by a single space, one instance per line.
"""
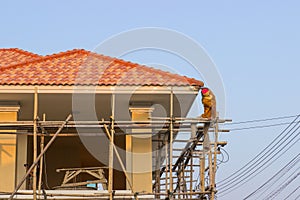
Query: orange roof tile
x=81 y=67
x=14 y=55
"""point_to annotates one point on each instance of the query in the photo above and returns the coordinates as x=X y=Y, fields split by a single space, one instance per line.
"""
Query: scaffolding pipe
x=41 y=160
x=193 y=136
x=53 y=195
x=202 y=171
x=215 y=157
x=41 y=165
x=171 y=140
x=111 y=149
x=95 y=124
x=191 y=176
x=167 y=165
x=157 y=167
x=35 y=113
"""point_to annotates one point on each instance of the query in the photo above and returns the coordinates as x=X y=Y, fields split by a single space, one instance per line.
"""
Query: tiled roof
x=81 y=67
x=13 y=56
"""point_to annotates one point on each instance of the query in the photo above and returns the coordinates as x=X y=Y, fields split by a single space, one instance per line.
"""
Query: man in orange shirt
x=209 y=103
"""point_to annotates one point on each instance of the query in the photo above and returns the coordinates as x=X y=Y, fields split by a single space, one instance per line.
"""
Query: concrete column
x=21 y=159
x=8 y=153
x=139 y=156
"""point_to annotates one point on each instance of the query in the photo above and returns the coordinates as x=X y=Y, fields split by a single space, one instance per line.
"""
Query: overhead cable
x=279 y=190
x=255 y=173
x=290 y=194
x=266 y=149
x=251 y=169
x=261 y=126
x=276 y=176
x=262 y=120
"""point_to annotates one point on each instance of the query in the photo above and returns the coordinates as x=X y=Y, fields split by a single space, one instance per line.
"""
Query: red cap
x=204 y=90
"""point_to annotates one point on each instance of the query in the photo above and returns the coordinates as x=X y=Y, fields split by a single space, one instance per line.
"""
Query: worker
x=209 y=103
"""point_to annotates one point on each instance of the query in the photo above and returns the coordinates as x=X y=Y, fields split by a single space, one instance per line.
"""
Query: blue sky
x=254 y=44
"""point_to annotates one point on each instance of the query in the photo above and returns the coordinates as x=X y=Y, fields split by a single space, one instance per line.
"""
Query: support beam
x=157 y=167
x=191 y=176
x=35 y=113
x=193 y=135
x=171 y=139
x=202 y=172
x=210 y=174
x=42 y=159
x=111 y=147
x=167 y=165
x=215 y=158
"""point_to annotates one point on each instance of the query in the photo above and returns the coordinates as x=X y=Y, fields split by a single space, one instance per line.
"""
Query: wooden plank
x=87 y=168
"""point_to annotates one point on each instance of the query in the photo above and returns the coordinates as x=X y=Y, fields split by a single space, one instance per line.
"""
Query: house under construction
x=80 y=125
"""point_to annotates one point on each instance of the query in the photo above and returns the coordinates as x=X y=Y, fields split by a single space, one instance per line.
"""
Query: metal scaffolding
x=198 y=158
x=187 y=172
x=178 y=167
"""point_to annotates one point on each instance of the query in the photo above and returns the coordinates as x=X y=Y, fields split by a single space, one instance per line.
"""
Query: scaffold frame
x=175 y=178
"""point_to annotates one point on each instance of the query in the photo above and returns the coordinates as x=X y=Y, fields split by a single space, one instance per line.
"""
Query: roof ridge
x=44 y=58
x=153 y=69
x=148 y=68
x=28 y=53
x=63 y=53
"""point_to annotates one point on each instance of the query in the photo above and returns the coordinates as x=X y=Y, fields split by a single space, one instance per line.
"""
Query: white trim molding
x=141 y=109
x=8 y=106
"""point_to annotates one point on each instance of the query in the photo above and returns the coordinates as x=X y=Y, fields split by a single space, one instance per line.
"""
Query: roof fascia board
x=100 y=89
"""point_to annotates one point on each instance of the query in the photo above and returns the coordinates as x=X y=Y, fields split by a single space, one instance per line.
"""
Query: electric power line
x=278 y=174
x=273 y=194
x=262 y=120
x=265 y=190
x=258 y=172
x=236 y=173
x=252 y=167
x=297 y=198
x=233 y=185
x=290 y=194
x=261 y=126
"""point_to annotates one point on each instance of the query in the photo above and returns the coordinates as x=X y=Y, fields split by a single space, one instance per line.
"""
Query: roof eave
x=50 y=89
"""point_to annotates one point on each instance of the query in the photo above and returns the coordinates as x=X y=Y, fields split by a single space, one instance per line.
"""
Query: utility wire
x=237 y=173
x=265 y=190
x=276 y=192
x=258 y=172
x=297 y=198
x=231 y=187
x=262 y=120
x=252 y=167
x=261 y=126
x=289 y=195
x=227 y=154
x=279 y=174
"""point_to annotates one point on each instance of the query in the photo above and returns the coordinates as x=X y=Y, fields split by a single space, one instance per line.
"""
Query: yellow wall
x=7 y=155
x=139 y=161
x=21 y=158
